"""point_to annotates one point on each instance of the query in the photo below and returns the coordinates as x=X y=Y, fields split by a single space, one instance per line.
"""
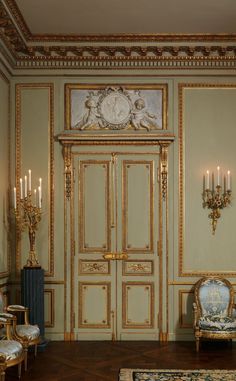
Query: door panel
x=137 y=206
x=138 y=315
x=94 y=206
x=95 y=300
x=116 y=210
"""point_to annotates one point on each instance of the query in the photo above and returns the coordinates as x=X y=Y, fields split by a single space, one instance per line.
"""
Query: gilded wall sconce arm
x=216 y=198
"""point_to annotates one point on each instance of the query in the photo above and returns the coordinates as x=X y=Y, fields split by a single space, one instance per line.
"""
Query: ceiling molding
x=164 y=37
x=112 y=51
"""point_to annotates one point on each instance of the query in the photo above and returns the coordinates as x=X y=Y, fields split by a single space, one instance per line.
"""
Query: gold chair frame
x=9 y=322
x=25 y=310
x=197 y=310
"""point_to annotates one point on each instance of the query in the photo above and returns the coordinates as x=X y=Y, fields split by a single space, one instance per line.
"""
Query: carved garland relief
x=116 y=108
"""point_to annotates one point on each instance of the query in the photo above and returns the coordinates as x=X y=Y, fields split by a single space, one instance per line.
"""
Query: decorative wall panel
x=94 y=305
x=137 y=267
x=98 y=267
x=137 y=206
x=206 y=115
x=137 y=314
x=186 y=299
x=49 y=307
x=94 y=206
x=35 y=151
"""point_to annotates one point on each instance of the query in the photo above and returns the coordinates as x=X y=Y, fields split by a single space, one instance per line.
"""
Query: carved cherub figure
x=91 y=117
x=140 y=117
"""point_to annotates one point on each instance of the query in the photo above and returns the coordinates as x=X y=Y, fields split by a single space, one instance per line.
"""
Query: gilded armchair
x=13 y=350
x=25 y=330
x=212 y=307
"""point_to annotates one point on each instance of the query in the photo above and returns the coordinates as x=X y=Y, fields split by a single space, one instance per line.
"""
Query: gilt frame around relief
x=122 y=108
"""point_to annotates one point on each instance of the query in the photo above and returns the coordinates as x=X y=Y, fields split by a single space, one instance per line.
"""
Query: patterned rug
x=176 y=375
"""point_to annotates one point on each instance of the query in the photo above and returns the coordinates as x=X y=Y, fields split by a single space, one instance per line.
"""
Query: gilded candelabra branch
x=28 y=215
x=216 y=198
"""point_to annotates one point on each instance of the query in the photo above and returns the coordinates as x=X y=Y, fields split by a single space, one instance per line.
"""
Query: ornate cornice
x=145 y=51
x=144 y=37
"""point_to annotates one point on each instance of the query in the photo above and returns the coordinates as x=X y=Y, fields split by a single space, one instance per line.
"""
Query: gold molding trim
x=68 y=169
x=51 y=322
x=181 y=88
x=19 y=87
x=164 y=170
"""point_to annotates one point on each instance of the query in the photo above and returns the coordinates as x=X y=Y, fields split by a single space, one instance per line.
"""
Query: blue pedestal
x=32 y=295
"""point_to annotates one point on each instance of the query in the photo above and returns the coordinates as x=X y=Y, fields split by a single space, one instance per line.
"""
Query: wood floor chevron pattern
x=101 y=361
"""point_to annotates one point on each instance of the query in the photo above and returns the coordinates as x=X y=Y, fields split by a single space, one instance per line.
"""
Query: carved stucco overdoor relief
x=108 y=184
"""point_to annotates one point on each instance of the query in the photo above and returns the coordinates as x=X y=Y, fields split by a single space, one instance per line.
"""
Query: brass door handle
x=116 y=256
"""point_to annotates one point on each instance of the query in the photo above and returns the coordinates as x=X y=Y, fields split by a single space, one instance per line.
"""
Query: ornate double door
x=116 y=214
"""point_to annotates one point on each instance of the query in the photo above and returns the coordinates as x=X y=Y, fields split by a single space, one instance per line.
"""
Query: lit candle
x=14 y=197
x=35 y=197
x=21 y=188
x=228 y=181
x=40 y=182
x=25 y=186
x=218 y=176
x=40 y=197
x=213 y=182
x=29 y=180
x=207 y=180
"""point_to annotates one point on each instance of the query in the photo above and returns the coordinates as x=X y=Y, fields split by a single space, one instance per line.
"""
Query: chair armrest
x=5 y=315
x=19 y=308
x=9 y=321
x=16 y=308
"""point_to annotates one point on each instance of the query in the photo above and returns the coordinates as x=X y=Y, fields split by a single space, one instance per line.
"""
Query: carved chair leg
x=26 y=359
x=19 y=370
x=2 y=374
x=35 y=350
x=197 y=344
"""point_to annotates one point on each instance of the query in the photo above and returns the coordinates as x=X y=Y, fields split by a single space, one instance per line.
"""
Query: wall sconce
x=216 y=197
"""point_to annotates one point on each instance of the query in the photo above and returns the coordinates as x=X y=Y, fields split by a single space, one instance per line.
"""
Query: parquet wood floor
x=101 y=361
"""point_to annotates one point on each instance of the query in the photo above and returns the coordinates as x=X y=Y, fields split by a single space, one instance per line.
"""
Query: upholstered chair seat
x=216 y=323
x=32 y=332
x=213 y=308
x=11 y=349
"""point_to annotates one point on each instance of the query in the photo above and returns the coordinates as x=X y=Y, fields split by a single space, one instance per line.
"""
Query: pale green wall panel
x=209 y=137
x=35 y=155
